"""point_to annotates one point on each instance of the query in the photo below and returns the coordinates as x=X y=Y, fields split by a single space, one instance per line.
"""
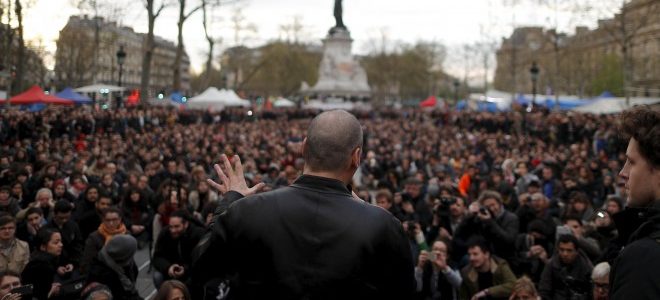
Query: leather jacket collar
x=322 y=184
x=634 y=223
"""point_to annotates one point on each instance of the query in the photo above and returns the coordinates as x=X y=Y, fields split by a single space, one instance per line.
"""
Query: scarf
x=107 y=233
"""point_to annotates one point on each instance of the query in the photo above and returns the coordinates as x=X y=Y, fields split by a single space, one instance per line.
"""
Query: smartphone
x=563 y=230
x=432 y=256
x=24 y=290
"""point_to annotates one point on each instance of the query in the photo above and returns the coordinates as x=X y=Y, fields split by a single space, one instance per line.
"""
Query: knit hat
x=121 y=249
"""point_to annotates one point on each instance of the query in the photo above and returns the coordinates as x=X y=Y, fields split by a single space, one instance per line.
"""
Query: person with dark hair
x=71 y=237
x=86 y=202
x=90 y=220
x=356 y=249
x=111 y=226
x=43 y=266
x=96 y=291
x=533 y=250
x=567 y=275
x=10 y=280
x=436 y=279
x=114 y=267
x=486 y=275
x=587 y=244
x=8 y=204
x=27 y=230
x=14 y=253
x=138 y=216
x=207 y=212
x=172 y=290
x=174 y=244
x=635 y=272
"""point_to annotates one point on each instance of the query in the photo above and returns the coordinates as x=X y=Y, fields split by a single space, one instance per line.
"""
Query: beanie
x=121 y=248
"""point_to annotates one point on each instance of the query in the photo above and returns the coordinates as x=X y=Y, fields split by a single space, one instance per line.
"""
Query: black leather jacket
x=311 y=240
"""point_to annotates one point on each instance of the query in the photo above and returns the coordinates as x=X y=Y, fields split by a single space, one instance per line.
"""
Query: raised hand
x=233 y=180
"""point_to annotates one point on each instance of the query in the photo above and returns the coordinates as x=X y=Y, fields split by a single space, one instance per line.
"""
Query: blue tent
x=68 y=93
x=461 y=105
x=178 y=98
x=606 y=94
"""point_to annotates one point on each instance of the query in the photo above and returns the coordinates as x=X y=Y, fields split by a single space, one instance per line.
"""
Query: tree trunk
x=148 y=54
x=20 y=57
x=176 y=83
x=97 y=43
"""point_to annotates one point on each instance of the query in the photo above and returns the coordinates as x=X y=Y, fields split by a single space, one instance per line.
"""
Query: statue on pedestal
x=338 y=15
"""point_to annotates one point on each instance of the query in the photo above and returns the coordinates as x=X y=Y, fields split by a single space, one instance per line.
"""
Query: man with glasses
x=600 y=278
x=14 y=253
x=111 y=225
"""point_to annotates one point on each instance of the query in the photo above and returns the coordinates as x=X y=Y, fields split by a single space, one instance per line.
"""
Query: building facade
x=77 y=65
x=590 y=61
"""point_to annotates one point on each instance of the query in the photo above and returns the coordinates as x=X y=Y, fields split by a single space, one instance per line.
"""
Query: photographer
x=494 y=223
x=567 y=275
x=436 y=279
x=448 y=213
x=532 y=251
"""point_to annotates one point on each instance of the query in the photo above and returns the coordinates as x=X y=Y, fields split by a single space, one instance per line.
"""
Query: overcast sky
x=451 y=23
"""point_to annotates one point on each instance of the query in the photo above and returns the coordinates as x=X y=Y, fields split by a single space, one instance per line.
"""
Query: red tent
x=36 y=95
x=431 y=101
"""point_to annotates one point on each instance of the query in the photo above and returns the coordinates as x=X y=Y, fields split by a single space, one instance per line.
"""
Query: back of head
x=331 y=138
x=121 y=248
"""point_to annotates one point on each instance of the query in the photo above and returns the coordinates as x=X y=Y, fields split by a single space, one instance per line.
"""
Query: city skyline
x=406 y=22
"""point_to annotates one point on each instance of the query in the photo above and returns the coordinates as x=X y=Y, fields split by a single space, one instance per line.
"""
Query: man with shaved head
x=312 y=239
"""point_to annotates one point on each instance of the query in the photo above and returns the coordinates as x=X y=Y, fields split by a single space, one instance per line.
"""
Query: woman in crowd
x=44 y=266
x=172 y=290
x=138 y=215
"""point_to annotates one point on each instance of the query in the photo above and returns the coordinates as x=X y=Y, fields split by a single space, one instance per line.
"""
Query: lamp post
x=121 y=56
x=456 y=85
x=534 y=72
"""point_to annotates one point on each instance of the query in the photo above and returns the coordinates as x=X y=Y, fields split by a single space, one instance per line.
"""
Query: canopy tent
x=549 y=101
x=35 y=95
x=431 y=101
x=329 y=105
x=613 y=105
x=100 y=88
x=283 y=102
x=68 y=93
x=606 y=94
x=215 y=99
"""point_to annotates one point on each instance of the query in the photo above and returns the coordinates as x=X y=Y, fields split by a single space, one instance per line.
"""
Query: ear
x=303 y=149
x=355 y=157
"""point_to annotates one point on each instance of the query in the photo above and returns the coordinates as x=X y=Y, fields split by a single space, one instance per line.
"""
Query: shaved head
x=331 y=138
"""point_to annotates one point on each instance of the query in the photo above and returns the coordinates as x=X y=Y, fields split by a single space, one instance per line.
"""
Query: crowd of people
x=512 y=205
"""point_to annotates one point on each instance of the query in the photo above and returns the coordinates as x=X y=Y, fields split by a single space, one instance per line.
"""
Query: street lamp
x=534 y=72
x=121 y=56
x=456 y=85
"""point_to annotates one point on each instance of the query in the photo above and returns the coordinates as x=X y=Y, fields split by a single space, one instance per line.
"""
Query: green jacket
x=503 y=280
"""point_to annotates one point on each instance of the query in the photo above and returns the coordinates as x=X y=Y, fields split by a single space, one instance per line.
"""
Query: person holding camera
x=567 y=275
x=532 y=250
x=436 y=279
x=496 y=224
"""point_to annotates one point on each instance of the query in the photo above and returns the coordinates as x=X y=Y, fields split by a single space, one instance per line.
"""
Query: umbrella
x=36 y=95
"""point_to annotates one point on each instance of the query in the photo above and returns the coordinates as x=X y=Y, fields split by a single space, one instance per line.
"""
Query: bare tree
x=150 y=44
x=183 y=16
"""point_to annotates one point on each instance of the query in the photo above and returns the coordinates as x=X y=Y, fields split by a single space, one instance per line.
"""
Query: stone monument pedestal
x=340 y=75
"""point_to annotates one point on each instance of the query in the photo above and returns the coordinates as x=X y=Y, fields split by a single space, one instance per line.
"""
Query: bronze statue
x=338 y=15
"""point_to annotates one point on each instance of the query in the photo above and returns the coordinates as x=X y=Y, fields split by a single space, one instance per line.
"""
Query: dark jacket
x=101 y=273
x=560 y=281
x=89 y=222
x=635 y=272
x=176 y=251
x=311 y=240
x=72 y=241
x=500 y=231
x=93 y=245
x=40 y=272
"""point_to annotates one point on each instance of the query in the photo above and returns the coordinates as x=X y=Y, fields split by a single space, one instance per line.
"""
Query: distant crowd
x=496 y=205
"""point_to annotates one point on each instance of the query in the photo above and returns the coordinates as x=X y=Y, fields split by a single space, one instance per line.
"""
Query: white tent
x=100 y=88
x=613 y=105
x=283 y=102
x=215 y=99
x=329 y=105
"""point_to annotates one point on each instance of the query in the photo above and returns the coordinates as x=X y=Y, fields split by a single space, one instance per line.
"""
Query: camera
x=442 y=206
x=483 y=211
